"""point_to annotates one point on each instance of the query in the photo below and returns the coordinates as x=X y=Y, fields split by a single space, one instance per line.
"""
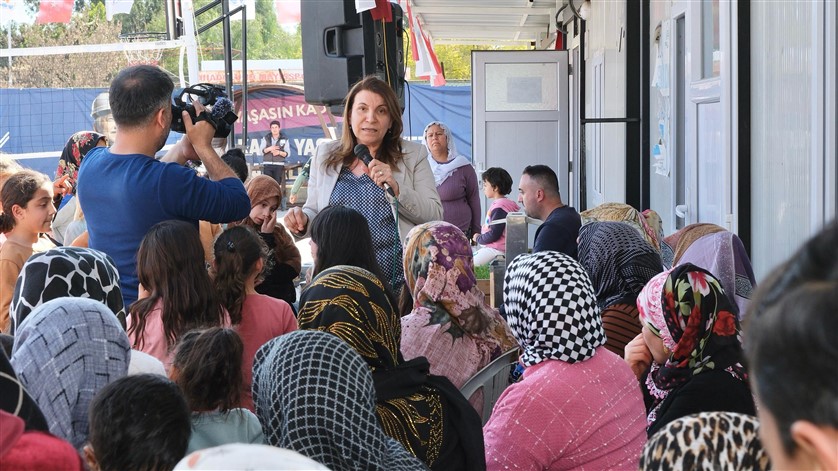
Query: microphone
x=220 y=109
x=363 y=153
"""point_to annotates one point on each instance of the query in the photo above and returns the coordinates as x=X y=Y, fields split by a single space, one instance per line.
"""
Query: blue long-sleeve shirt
x=122 y=196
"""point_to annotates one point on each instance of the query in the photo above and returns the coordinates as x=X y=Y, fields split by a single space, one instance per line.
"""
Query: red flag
x=54 y=11
x=382 y=10
x=287 y=11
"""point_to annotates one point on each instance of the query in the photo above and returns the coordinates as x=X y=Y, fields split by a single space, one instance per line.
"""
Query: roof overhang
x=488 y=22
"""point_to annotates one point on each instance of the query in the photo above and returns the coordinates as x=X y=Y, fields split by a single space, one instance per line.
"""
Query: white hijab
x=444 y=170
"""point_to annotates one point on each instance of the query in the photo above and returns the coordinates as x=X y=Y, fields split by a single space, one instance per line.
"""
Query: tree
x=68 y=70
x=456 y=59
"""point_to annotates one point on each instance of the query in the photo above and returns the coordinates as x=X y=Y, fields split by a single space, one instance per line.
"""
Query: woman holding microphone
x=338 y=176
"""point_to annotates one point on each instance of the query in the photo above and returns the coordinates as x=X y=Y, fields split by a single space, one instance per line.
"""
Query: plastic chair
x=493 y=379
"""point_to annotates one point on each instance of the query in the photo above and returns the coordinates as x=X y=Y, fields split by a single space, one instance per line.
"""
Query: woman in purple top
x=456 y=181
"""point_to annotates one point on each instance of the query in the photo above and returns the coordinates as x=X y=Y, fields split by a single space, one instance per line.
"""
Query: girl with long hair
x=207 y=368
x=175 y=293
x=241 y=260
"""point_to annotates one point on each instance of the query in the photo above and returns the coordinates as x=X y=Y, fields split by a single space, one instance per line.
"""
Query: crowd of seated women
x=356 y=381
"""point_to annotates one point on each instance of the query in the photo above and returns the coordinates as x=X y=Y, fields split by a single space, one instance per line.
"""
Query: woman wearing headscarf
x=577 y=406
x=450 y=323
x=314 y=394
x=426 y=413
x=65 y=352
x=619 y=263
x=66 y=272
x=75 y=272
x=265 y=196
x=707 y=441
x=455 y=179
x=648 y=223
x=688 y=356
x=720 y=252
x=15 y=400
x=74 y=151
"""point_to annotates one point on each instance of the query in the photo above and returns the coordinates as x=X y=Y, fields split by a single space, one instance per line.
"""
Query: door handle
x=682 y=210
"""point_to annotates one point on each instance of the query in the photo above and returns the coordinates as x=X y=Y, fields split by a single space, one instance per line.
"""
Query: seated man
x=538 y=192
x=124 y=190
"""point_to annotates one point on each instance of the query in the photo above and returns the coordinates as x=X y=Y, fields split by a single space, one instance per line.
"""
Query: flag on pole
x=114 y=7
x=427 y=64
x=54 y=11
x=287 y=11
x=382 y=11
x=364 y=5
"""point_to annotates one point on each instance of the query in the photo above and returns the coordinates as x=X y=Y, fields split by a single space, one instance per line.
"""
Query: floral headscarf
x=701 y=327
x=439 y=272
x=74 y=151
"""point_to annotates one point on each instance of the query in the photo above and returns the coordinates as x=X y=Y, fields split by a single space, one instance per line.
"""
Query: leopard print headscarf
x=709 y=440
x=66 y=272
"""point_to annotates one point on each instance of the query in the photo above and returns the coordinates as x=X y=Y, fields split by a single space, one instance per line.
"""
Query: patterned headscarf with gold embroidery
x=424 y=412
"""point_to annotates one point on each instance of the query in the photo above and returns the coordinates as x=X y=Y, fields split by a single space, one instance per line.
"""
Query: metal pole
x=244 y=78
x=228 y=53
x=190 y=40
x=9 y=38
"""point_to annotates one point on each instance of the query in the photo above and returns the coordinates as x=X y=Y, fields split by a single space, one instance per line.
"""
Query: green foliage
x=456 y=59
x=69 y=70
x=265 y=38
x=481 y=272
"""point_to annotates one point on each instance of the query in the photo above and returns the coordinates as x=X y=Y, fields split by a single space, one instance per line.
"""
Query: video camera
x=219 y=111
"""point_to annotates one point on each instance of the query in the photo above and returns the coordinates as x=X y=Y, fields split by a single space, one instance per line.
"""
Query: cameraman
x=275 y=149
x=124 y=191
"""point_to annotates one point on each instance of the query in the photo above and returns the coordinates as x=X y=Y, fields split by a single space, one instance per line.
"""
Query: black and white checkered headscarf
x=551 y=308
x=314 y=394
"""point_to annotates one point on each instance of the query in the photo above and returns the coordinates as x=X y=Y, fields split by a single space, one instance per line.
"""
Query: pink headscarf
x=650 y=307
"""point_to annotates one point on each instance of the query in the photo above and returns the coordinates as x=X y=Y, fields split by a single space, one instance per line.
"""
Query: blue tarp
x=39 y=121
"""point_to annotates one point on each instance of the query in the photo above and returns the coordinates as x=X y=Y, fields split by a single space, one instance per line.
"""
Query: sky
x=14 y=10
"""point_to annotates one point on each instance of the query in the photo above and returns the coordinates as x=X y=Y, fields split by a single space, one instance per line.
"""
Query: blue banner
x=36 y=123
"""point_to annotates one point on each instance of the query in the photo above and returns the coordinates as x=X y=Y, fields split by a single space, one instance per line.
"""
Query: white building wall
x=793 y=126
x=660 y=110
x=605 y=97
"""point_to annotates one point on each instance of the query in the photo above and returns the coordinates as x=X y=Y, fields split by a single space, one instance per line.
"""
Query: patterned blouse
x=364 y=196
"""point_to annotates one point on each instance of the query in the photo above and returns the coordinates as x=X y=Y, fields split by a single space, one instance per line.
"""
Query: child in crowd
x=235 y=159
x=207 y=368
x=26 y=217
x=265 y=194
x=137 y=422
x=241 y=260
x=175 y=292
x=496 y=185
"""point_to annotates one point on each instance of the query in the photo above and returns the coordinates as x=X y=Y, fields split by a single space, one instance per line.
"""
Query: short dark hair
x=139 y=422
x=790 y=337
x=276 y=121
x=498 y=178
x=545 y=176
x=137 y=93
x=235 y=159
x=209 y=368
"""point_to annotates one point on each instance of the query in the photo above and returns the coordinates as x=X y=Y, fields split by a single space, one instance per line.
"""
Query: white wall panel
x=782 y=96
